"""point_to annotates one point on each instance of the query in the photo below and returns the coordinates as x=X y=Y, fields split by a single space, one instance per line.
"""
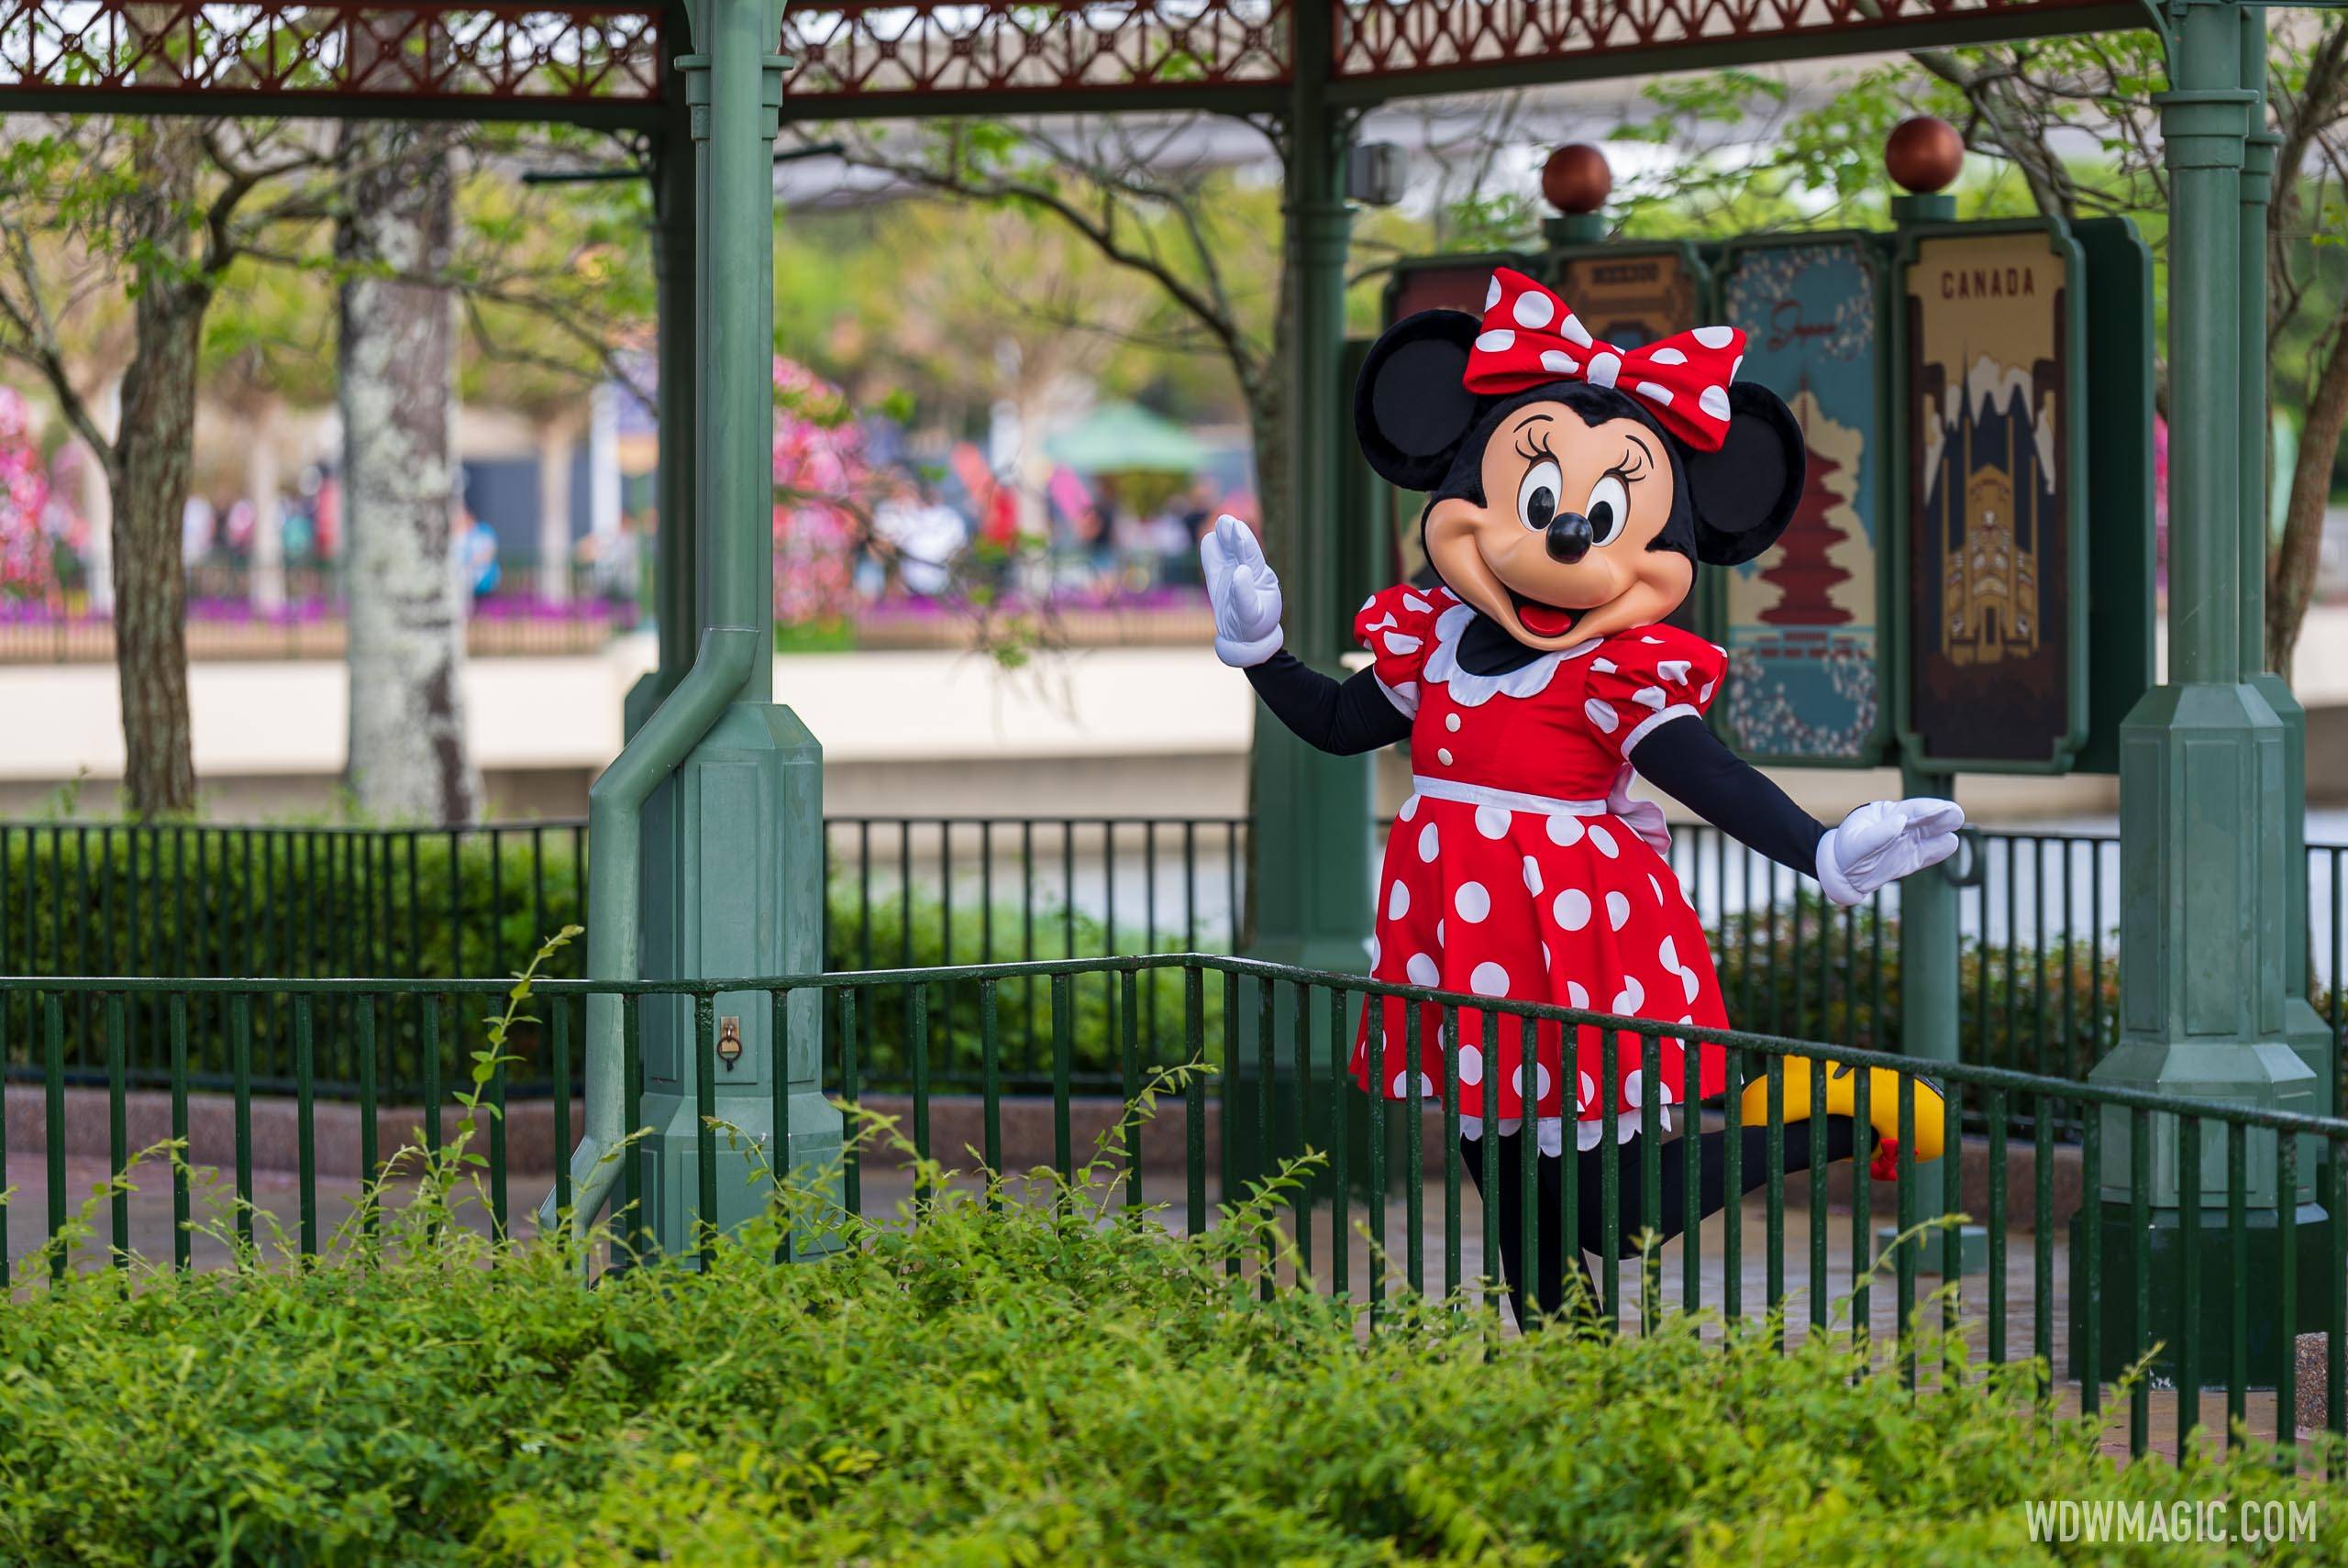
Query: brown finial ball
x=1576 y=178
x=1923 y=153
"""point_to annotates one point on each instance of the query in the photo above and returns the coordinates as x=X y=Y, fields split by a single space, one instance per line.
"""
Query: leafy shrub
x=79 y=899
x=1052 y=1383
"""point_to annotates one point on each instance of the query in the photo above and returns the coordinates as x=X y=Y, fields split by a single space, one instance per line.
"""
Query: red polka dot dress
x=1507 y=874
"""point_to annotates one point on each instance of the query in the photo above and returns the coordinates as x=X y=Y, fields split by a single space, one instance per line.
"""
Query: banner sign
x=1995 y=657
x=1802 y=624
x=1446 y=283
x=1630 y=296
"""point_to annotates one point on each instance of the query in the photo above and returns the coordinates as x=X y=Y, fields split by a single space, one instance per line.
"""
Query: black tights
x=1711 y=1182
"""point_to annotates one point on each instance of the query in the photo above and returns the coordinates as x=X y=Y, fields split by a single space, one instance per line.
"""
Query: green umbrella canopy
x=1122 y=438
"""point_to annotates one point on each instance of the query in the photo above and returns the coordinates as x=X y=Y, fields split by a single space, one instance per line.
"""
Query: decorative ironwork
x=268 y=49
x=1387 y=38
x=870 y=57
x=939 y=49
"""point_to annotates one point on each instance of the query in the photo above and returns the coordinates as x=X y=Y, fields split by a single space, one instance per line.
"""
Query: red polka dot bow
x=1529 y=338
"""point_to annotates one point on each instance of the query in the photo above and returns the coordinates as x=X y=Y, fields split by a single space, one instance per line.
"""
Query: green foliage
x=1053 y=1382
x=2050 y=1009
x=298 y=902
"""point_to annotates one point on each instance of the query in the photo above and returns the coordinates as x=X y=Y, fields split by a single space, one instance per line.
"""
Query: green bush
x=2050 y=1011
x=300 y=902
x=1029 y=1386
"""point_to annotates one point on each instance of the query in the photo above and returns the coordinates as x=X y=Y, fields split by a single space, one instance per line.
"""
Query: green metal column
x=2202 y=759
x=675 y=573
x=1311 y=831
x=2302 y=1025
x=734 y=837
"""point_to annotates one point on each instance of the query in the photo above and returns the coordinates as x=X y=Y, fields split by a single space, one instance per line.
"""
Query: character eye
x=1536 y=497
x=1609 y=510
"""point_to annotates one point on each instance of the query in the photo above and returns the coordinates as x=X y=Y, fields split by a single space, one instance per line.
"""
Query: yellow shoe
x=1842 y=1100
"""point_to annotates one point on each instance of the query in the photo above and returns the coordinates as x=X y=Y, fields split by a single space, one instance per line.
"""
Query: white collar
x=1471 y=690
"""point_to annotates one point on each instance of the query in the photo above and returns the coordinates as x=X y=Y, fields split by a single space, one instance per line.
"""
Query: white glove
x=1642 y=817
x=1884 y=840
x=1244 y=592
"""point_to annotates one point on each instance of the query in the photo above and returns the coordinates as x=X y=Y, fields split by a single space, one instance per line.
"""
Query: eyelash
x=1539 y=448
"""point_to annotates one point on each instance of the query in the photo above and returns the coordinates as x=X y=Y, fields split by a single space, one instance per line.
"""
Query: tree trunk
x=153 y=452
x=409 y=757
x=2290 y=578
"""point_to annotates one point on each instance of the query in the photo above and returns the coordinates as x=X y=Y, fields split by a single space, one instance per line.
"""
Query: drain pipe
x=723 y=667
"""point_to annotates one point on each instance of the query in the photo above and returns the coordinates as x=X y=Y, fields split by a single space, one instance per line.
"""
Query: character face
x=1558 y=553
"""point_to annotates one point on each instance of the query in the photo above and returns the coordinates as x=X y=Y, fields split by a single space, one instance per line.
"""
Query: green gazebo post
x=1310 y=811
x=2302 y=1025
x=2203 y=767
x=708 y=830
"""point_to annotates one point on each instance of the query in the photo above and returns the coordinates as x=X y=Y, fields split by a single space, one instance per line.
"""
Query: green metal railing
x=2038 y=972
x=1395 y=1210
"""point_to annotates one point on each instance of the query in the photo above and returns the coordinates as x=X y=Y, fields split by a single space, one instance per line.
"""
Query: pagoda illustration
x=1802 y=567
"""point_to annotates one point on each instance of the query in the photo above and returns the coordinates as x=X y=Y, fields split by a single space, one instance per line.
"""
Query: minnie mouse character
x=1573 y=487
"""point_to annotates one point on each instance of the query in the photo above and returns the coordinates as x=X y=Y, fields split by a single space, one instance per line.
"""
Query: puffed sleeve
x=1397 y=626
x=1643 y=680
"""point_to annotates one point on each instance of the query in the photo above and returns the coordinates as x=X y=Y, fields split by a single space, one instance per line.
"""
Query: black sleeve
x=1344 y=720
x=1685 y=760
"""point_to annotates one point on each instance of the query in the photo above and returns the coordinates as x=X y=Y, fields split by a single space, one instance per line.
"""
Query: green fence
x=1395 y=1207
x=2039 y=967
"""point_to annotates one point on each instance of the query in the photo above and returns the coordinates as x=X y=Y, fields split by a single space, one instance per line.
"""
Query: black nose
x=1568 y=536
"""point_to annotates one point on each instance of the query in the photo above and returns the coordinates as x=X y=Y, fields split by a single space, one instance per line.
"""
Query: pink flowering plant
x=824 y=489
x=26 y=570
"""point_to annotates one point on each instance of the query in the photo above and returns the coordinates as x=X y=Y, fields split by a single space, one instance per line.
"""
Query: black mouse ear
x=1743 y=496
x=1410 y=411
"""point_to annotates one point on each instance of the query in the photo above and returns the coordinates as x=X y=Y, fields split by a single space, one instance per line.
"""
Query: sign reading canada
x=1989 y=498
x=1802 y=629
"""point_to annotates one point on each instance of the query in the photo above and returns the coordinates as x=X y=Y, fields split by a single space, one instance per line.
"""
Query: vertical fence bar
x=2238 y=1315
x=53 y=1120
x=1862 y=1213
x=305 y=1120
x=1063 y=1063
x=1340 y=1139
x=117 y=1124
x=2335 y=1368
x=1301 y=1212
x=2287 y=1297
x=181 y=1154
x=990 y=1089
x=367 y=1133
x=240 y=1066
x=852 y=1159
x=1818 y=1293
x=1650 y=1109
x=1374 y=1204
x=1904 y=1188
x=1993 y=1112
x=917 y=1045
x=1773 y=1196
x=1451 y=1173
x=1129 y=1065
x=1194 y=1099
x=1737 y=1066
x=778 y=1170
x=2188 y=1237
x=1610 y=1177
x=632 y=1234
x=560 y=1064
x=2140 y=1300
x=2042 y=1238
x=1414 y=1157
x=704 y=1133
